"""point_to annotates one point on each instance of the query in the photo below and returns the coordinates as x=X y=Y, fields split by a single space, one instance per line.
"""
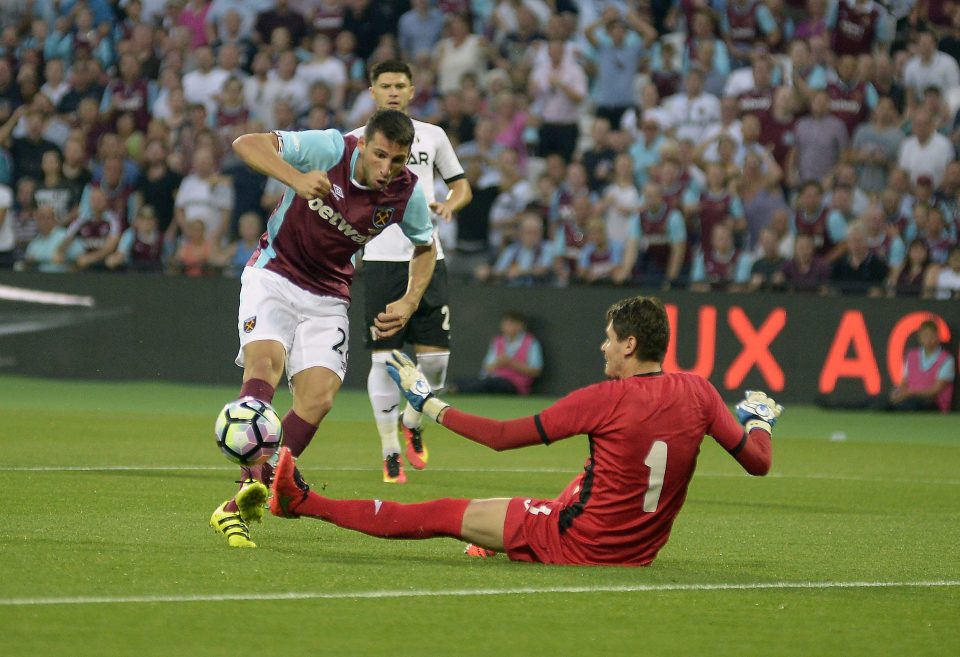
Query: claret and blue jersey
x=312 y=243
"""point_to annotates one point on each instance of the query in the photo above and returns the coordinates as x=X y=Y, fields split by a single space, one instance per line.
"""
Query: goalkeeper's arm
x=495 y=434
x=754 y=452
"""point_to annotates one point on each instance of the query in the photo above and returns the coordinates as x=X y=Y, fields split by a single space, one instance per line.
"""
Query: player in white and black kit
x=385 y=271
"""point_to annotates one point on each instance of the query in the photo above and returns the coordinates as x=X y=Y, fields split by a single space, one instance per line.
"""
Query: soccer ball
x=248 y=431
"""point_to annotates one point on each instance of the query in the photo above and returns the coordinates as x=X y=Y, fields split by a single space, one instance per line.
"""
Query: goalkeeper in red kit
x=643 y=426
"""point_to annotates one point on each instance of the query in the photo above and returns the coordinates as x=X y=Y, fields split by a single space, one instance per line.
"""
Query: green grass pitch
x=848 y=547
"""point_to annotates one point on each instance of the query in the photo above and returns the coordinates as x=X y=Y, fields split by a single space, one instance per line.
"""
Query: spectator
x=855 y=26
x=284 y=85
x=744 y=23
x=598 y=159
x=514 y=196
x=195 y=253
x=599 y=258
x=768 y=265
x=909 y=279
x=779 y=132
x=693 y=111
x=27 y=151
x=760 y=192
x=526 y=261
x=928 y=375
x=883 y=242
x=204 y=83
x=618 y=50
x=926 y=152
x=821 y=139
x=55 y=85
x=419 y=30
x=934 y=231
x=558 y=87
x=944 y=282
x=204 y=195
x=806 y=76
x=54 y=191
x=658 y=241
x=875 y=144
x=158 y=187
x=193 y=17
x=128 y=93
x=83 y=84
x=141 y=245
x=929 y=67
x=645 y=151
x=714 y=205
x=570 y=236
x=827 y=226
x=858 y=271
x=509 y=124
x=620 y=202
x=851 y=99
x=367 y=22
x=806 y=271
x=755 y=94
x=235 y=256
x=721 y=266
x=513 y=362
x=324 y=67
x=41 y=250
x=92 y=237
x=458 y=54
x=281 y=15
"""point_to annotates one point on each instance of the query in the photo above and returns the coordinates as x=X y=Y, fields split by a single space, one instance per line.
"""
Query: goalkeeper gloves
x=758 y=411
x=413 y=385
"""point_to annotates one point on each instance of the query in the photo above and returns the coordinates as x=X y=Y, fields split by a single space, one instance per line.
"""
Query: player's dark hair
x=644 y=318
x=392 y=124
x=390 y=66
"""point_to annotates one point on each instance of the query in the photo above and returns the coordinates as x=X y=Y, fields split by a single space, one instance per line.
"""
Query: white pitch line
x=505 y=470
x=423 y=593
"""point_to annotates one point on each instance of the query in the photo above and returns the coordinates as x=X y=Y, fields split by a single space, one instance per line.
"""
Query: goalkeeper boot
x=231 y=525
x=393 y=471
x=288 y=487
x=251 y=500
x=417 y=454
x=476 y=551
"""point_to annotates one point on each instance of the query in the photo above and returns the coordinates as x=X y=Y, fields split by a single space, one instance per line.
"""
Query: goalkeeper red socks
x=389 y=519
x=258 y=388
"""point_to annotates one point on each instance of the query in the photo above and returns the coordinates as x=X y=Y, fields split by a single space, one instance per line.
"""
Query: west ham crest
x=382 y=215
x=249 y=324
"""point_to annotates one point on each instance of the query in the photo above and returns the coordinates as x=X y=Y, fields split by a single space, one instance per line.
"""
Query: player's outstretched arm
x=498 y=435
x=261 y=152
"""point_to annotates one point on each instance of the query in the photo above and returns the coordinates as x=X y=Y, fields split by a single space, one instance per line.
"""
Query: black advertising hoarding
x=129 y=326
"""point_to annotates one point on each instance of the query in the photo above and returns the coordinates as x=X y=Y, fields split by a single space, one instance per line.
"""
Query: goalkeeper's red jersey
x=644 y=434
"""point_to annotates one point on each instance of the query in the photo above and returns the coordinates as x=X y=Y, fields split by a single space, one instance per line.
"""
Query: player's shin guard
x=442 y=517
x=433 y=365
x=297 y=432
x=385 y=400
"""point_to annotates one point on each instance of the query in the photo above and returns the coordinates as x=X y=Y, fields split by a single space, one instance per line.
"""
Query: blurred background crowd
x=806 y=145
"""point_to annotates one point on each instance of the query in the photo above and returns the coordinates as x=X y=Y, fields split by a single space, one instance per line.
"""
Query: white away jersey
x=431 y=150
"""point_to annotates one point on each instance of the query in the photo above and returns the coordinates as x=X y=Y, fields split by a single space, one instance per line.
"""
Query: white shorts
x=313 y=329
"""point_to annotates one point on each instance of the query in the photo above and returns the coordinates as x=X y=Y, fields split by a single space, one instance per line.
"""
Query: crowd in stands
x=806 y=145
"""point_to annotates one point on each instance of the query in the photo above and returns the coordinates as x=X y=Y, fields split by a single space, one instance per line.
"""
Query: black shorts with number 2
x=385 y=282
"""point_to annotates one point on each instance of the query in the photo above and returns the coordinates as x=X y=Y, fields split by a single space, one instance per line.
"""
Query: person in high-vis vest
x=513 y=362
x=928 y=375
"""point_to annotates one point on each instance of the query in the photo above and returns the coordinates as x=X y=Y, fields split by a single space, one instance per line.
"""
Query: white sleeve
x=446 y=160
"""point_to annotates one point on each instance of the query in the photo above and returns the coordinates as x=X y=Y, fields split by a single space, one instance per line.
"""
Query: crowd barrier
x=153 y=327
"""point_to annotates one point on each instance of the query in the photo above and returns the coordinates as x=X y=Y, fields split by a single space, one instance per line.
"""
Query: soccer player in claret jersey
x=295 y=290
x=384 y=275
x=644 y=428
